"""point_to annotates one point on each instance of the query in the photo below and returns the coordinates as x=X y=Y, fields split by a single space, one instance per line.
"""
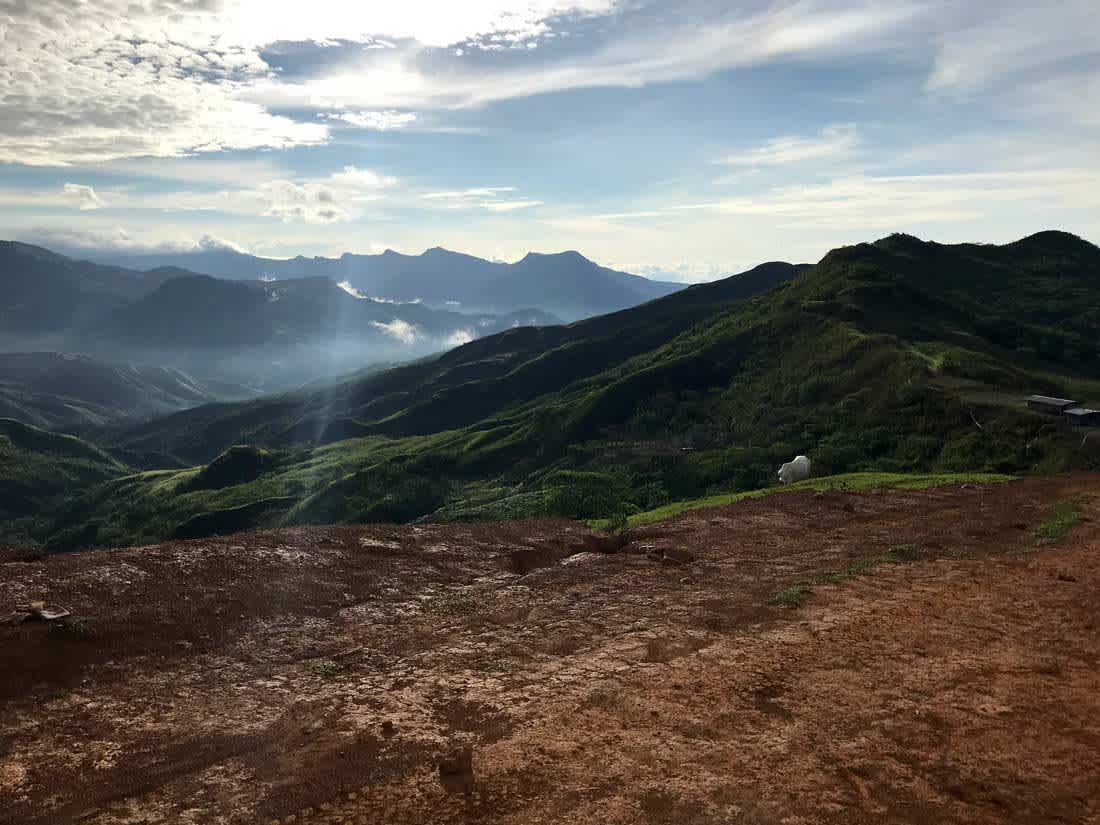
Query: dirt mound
x=897 y=656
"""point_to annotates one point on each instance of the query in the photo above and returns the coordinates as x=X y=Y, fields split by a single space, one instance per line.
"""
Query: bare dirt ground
x=318 y=675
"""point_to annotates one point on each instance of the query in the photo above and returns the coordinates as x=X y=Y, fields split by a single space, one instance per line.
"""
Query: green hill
x=39 y=472
x=78 y=394
x=897 y=356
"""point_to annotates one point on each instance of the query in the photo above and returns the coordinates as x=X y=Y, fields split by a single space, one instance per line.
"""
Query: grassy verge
x=798 y=592
x=849 y=482
x=1067 y=515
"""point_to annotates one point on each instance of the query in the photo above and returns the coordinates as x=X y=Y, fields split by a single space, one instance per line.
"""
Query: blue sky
x=685 y=139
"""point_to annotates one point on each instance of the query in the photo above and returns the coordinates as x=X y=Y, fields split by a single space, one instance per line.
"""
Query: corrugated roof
x=1046 y=399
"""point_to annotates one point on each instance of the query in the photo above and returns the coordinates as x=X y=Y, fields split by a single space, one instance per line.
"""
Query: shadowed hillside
x=76 y=394
x=40 y=471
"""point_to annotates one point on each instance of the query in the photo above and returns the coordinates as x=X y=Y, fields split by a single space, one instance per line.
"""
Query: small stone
x=675 y=555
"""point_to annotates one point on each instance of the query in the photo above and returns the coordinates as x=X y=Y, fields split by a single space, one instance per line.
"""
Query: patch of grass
x=847 y=482
x=451 y=604
x=326 y=668
x=617 y=524
x=794 y=595
x=798 y=592
x=904 y=552
x=1067 y=515
x=76 y=629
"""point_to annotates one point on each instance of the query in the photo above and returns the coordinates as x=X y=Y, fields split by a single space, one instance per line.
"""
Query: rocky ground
x=803 y=658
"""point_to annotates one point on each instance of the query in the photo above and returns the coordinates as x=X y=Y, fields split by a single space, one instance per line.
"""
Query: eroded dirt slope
x=949 y=673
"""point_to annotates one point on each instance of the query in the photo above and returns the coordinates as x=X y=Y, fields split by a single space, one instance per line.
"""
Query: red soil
x=318 y=675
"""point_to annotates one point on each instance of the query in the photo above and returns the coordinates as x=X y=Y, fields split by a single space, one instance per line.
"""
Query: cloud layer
x=109 y=79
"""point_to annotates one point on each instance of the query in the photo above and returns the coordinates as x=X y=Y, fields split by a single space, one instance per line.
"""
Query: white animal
x=797 y=470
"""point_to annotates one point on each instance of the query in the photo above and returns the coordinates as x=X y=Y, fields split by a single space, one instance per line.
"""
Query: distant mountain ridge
x=46 y=293
x=566 y=284
x=273 y=333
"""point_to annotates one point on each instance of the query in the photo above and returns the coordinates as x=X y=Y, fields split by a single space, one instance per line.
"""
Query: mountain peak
x=20 y=248
x=901 y=242
x=1055 y=239
x=569 y=255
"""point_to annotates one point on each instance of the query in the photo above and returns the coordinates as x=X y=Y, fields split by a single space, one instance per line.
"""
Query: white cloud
x=458 y=338
x=376 y=121
x=82 y=197
x=357 y=178
x=116 y=79
x=466 y=194
x=429 y=22
x=311 y=202
x=694 y=46
x=119 y=239
x=683 y=272
x=408 y=334
x=212 y=242
x=832 y=141
x=896 y=201
x=485 y=197
x=1021 y=37
x=352 y=291
x=324 y=200
x=507 y=206
x=103 y=82
x=108 y=79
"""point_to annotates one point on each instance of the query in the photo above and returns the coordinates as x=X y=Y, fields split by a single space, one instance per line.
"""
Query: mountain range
x=565 y=284
x=270 y=333
x=898 y=355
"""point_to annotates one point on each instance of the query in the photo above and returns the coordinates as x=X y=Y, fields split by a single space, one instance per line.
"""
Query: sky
x=682 y=140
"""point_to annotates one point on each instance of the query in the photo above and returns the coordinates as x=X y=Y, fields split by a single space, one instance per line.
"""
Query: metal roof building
x=1083 y=416
x=1054 y=406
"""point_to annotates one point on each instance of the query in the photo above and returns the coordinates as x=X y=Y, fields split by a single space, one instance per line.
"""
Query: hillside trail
x=942 y=667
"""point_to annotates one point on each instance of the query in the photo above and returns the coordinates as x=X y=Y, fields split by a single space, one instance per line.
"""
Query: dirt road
x=925 y=661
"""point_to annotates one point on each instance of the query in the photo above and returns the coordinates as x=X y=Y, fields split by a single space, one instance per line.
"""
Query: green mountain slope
x=895 y=356
x=40 y=471
x=77 y=394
